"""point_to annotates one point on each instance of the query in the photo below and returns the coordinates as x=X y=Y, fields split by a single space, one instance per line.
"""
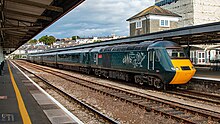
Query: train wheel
x=96 y=72
x=127 y=77
x=138 y=80
x=158 y=84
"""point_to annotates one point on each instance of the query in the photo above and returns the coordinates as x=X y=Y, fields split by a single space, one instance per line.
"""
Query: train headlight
x=175 y=69
x=172 y=68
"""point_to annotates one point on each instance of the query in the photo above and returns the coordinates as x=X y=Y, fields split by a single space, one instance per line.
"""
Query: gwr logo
x=135 y=59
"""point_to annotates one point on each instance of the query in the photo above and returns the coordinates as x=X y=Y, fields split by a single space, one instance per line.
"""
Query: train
x=160 y=64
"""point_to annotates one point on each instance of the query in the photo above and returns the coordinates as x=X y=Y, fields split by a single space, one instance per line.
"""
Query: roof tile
x=154 y=10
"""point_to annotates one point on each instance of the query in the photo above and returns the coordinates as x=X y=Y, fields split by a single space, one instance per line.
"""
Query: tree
x=43 y=39
x=32 y=41
x=51 y=40
x=47 y=40
x=75 y=37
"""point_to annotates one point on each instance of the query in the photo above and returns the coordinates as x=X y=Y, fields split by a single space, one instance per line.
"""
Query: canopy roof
x=21 y=20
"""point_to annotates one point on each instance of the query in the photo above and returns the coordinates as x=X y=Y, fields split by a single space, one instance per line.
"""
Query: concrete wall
x=1 y=54
x=206 y=11
x=185 y=9
x=195 y=12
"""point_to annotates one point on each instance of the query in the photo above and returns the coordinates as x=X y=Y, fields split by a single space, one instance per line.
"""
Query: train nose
x=184 y=71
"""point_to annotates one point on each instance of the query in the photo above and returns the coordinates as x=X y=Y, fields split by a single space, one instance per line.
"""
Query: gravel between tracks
x=121 y=111
x=124 y=112
x=71 y=106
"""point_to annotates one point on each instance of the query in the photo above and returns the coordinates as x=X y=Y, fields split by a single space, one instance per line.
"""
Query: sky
x=97 y=18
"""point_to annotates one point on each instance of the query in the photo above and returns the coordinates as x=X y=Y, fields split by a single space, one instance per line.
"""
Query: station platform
x=22 y=102
x=207 y=73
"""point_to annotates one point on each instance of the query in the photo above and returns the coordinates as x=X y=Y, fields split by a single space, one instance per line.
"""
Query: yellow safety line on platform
x=24 y=114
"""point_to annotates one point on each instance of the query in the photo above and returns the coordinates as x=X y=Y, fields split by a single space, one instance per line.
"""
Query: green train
x=157 y=63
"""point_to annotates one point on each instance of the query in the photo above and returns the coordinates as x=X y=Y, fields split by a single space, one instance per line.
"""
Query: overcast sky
x=97 y=18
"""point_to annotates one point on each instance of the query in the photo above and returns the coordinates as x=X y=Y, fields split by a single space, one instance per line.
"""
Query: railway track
x=207 y=97
x=168 y=108
x=71 y=98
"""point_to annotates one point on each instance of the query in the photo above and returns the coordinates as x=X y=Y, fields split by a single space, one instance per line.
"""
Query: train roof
x=98 y=49
x=141 y=46
x=74 y=51
x=123 y=47
x=47 y=54
x=165 y=44
x=35 y=54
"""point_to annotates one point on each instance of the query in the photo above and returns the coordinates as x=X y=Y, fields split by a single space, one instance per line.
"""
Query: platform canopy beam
x=20 y=27
x=28 y=15
x=19 y=20
x=22 y=20
x=40 y=5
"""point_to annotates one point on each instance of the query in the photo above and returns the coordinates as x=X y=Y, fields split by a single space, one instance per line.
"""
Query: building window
x=139 y=24
x=201 y=57
x=164 y=23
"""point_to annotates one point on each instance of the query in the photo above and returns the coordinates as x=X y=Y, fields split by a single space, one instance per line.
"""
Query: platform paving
x=206 y=72
x=41 y=109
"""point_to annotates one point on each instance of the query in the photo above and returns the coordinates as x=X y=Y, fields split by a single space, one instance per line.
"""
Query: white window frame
x=139 y=24
x=201 y=59
x=168 y=23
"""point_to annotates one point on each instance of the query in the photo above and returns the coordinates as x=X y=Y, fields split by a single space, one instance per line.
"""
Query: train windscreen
x=176 y=53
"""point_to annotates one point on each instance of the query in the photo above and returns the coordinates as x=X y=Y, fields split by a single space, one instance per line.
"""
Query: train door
x=151 y=62
x=154 y=64
x=95 y=58
x=56 y=60
x=86 y=58
x=154 y=67
x=107 y=60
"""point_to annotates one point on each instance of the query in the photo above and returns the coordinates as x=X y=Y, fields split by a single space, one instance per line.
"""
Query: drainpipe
x=145 y=25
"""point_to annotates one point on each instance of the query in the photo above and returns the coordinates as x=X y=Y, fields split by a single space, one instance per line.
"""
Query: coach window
x=69 y=57
x=157 y=56
x=151 y=56
x=75 y=57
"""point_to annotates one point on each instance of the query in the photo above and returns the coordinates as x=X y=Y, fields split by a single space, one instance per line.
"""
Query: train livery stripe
x=23 y=111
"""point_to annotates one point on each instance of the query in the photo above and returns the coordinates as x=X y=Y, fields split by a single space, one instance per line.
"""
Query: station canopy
x=21 y=20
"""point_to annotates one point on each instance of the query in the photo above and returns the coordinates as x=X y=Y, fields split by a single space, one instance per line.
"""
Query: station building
x=153 y=19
